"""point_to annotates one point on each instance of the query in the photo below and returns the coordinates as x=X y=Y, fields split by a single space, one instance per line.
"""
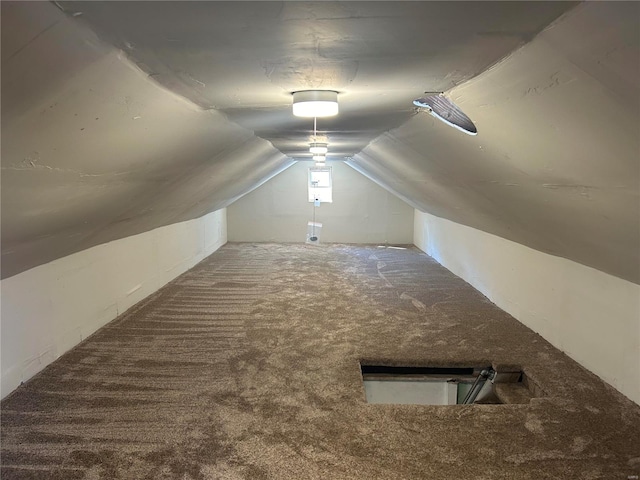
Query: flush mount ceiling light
x=315 y=103
x=318 y=148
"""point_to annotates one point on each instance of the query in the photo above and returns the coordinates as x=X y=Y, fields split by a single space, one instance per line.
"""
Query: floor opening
x=443 y=385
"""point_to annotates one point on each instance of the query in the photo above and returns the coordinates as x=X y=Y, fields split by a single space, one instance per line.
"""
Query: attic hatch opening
x=440 y=107
x=452 y=385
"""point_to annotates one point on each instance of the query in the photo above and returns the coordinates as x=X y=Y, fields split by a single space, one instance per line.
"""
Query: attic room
x=200 y=281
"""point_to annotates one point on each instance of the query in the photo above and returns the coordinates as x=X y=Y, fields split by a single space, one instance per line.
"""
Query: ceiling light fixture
x=318 y=148
x=315 y=103
x=319 y=158
x=440 y=107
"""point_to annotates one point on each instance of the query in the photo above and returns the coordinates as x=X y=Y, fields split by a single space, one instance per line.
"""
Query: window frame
x=324 y=194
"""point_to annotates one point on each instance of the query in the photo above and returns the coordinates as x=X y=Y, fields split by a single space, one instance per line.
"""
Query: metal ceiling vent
x=445 y=110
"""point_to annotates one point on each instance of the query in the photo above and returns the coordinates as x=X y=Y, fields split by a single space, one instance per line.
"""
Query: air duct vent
x=445 y=110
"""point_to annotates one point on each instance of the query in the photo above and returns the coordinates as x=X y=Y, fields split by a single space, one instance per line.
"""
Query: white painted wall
x=361 y=212
x=49 y=309
x=592 y=316
x=411 y=392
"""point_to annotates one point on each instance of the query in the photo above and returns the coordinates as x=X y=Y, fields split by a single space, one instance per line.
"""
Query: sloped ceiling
x=93 y=150
x=556 y=163
x=119 y=117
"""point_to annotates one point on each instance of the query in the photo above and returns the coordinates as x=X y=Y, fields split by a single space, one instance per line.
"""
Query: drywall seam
x=363 y=171
x=47 y=310
x=592 y=316
x=263 y=181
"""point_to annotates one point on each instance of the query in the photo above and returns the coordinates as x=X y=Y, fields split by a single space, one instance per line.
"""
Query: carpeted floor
x=247 y=367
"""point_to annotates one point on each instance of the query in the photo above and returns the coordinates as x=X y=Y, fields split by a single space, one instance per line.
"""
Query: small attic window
x=446 y=111
x=320 y=184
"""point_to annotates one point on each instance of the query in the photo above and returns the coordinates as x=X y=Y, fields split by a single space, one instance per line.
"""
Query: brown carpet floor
x=247 y=367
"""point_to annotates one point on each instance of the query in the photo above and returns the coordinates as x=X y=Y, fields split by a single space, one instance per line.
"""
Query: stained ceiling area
x=120 y=117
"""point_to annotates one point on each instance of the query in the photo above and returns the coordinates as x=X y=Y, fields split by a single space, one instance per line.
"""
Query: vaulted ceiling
x=120 y=117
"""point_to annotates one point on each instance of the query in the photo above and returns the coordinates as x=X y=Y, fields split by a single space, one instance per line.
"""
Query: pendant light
x=318 y=148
